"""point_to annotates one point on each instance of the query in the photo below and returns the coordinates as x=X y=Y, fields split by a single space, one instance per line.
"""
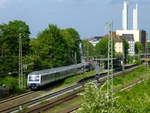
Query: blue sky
x=88 y=17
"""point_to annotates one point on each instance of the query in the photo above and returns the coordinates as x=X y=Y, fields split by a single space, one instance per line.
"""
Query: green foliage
x=9 y=45
x=88 y=48
x=43 y=101
x=34 y=47
x=101 y=48
x=10 y=35
x=125 y=48
x=75 y=35
x=58 y=47
x=138 y=48
x=95 y=100
x=134 y=101
x=137 y=100
x=130 y=76
x=10 y=82
x=76 y=78
x=69 y=47
x=53 y=47
x=148 y=46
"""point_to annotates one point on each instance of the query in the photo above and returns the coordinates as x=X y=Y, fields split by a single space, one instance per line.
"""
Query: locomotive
x=40 y=78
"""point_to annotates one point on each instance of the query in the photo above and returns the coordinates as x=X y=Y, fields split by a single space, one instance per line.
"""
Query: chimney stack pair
x=125 y=17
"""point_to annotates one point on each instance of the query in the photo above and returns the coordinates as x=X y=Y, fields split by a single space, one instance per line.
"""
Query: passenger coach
x=40 y=78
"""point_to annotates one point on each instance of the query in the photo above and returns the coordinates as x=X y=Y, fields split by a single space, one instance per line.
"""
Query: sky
x=89 y=17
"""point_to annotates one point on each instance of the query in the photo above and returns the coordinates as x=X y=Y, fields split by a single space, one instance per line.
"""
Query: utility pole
x=75 y=55
x=110 y=65
x=81 y=52
x=20 y=63
x=123 y=61
x=146 y=56
x=87 y=50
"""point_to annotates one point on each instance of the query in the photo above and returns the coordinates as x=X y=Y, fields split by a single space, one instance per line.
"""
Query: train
x=37 y=79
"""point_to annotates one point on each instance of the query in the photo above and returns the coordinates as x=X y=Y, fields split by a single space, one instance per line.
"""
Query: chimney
x=135 y=18
x=125 y=16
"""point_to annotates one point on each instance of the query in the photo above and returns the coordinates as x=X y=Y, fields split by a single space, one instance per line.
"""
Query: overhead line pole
x=110 y=65
x=146 y=50
x=20 y=63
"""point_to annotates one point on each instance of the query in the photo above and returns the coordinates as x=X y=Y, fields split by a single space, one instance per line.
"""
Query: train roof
x=55 y=70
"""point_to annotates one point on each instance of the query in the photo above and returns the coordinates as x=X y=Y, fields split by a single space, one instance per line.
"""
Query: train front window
x=33 y=78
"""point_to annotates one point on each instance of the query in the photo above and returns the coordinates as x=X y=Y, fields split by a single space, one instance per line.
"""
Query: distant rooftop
x=116 y=37
x=96 y=38
x=129 y=37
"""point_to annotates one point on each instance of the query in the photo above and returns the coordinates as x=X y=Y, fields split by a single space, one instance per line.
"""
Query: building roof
x=96 y=38
x=128 y=37
x=116 y=38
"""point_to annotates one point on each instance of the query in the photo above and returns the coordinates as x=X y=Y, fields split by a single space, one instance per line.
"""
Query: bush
x=95 y=100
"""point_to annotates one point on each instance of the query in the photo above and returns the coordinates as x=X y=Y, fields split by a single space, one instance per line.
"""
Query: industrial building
x=132 y=35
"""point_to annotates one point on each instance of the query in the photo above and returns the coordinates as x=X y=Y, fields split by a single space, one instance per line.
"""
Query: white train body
x=40 y=78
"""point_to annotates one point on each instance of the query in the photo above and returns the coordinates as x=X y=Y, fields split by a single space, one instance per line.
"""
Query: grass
x=119 y=81
x=64 y=106
x=130 y=76
x=137 y=100
x=74 y=79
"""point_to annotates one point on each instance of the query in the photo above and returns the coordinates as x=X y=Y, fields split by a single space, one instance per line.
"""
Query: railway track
x=50 y=104
x=40 y=108
x=48 y=97
x=38 y=100
x=127 y=86
x=15 y=97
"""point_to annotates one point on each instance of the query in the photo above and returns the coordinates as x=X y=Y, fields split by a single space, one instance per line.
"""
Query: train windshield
x=34 y=78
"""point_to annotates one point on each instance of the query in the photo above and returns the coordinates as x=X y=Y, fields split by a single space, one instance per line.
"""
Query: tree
x=34 y=46
x=125 y=49
x=75 y=35
x=51 y=46
x=138 y=48
x=10 y=37
x=57 y=47
x=148 y=47
x=9 y=44
x=102 y=48
x=88 y=48
x=69 y=47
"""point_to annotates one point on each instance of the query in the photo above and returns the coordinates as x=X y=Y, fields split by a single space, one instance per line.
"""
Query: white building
x=94 y=40
x=118 y=44
x=130 y=39
x=133 y=35
x=136 y=34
